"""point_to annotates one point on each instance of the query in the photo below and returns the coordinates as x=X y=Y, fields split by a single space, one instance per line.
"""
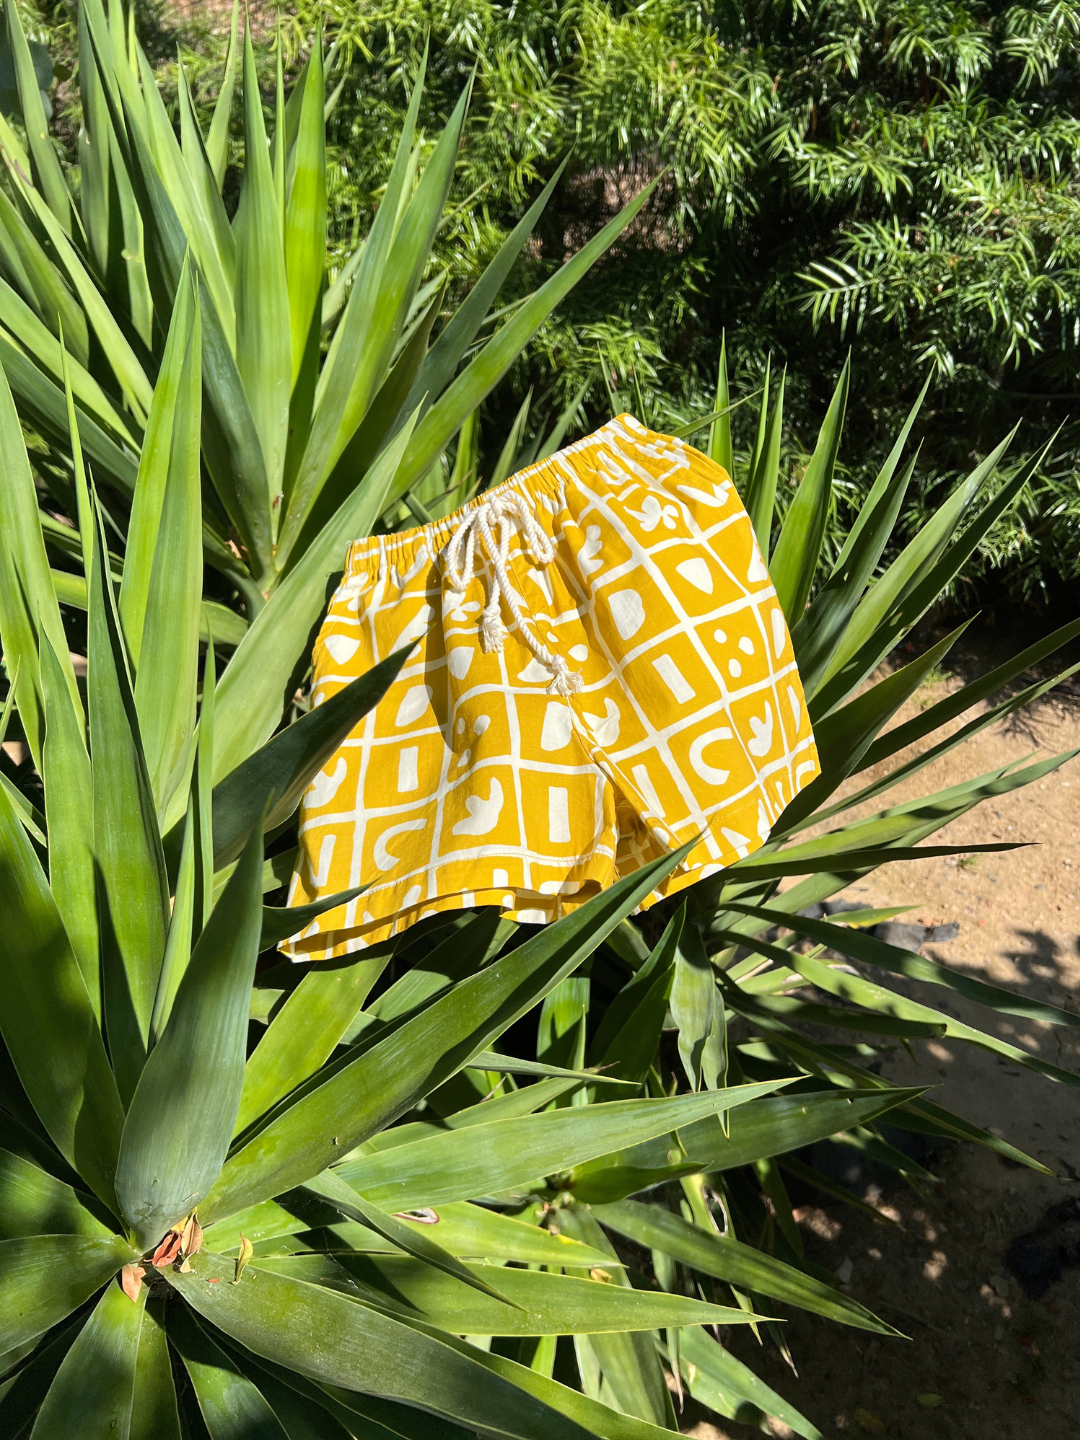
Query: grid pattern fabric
x=471 y=783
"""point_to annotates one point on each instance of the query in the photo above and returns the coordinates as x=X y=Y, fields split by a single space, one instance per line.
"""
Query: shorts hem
x=526 y=907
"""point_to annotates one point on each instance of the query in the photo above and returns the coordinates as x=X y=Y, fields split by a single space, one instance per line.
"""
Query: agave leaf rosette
x=301 y=1195
x=186 y=1193
x=350 y=1198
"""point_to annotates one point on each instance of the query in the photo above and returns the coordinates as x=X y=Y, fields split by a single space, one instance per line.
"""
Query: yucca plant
x=353 y=1218
x=290 y=1226
x=324 y=398
x=381 y=1209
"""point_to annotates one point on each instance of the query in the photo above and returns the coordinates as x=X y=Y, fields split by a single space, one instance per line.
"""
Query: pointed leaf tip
x=247 y=1250
x=192 y=1237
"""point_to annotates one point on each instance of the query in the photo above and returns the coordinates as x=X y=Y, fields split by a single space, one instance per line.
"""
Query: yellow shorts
x=602 y=671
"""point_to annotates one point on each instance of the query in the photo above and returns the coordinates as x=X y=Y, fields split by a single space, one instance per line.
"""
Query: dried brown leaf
x=131 y=1280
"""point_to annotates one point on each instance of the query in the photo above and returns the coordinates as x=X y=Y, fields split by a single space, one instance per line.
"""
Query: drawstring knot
x=507 y=511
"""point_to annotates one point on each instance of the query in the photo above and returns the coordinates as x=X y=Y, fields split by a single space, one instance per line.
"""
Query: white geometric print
x=795 y=702
x=483 y=814
x=627 y=611
x=648 y=792
x=534 y=673
x=761 y=744
x=697 y=573
x=714 y=500
x=588 y=561
x=605 y=728
x=324 y=787
x=320 y=870
x=407 y=774
x=779 y=632
x=558 y=726
x=540 y=578
x=383 y=858
x=712 y=774
x=413 y=704
x=677 y=711
x=757 y=569
x=652 y=513
x=416 y=627
x=669 y=672
x=558 y=814
x=342 y=648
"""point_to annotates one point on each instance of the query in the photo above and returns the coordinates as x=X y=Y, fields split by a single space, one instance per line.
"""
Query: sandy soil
x=988 y=1363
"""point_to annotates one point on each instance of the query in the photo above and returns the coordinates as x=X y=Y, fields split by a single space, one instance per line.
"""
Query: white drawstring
x=505 y=510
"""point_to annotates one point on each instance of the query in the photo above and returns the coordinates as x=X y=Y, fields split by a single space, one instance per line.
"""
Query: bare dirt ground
x=982 y=1361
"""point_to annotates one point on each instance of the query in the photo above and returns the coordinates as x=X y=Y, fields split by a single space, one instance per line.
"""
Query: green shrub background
x=895 y=178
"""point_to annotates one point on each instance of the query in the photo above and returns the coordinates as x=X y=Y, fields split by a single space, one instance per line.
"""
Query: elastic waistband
x=545 y=477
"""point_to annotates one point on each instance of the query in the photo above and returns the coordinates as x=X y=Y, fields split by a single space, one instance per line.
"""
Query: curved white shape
x=779 y=632
x=542 y=580
x=605 y=728
x=483 y=814
x=414 y=702
x=796 y=707
x=715 y=501
x=341 y=648
x=707 y=772
x=383 y=859
x=588 y=556
x=697 y=573
x=417 y=626
x=758 y=570
x=320 y=873
x=558 y=726
x=763 y=733
x=459 y=659
x=627 y=611
x=534 y=673
x=807 y=768
x=324 y=787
